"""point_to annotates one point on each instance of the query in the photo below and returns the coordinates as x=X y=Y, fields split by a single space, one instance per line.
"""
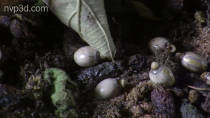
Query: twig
x=197 y=88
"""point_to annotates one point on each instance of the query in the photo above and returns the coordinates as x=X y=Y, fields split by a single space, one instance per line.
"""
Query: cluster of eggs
x=160 y=74
x=88 y=56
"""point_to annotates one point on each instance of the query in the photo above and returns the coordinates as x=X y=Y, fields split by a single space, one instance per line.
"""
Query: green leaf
x=88 y=18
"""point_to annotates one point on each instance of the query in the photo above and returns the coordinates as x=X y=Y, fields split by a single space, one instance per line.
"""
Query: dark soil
x=29 y=47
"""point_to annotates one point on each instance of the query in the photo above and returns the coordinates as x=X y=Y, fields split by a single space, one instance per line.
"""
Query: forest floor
x=29 y=47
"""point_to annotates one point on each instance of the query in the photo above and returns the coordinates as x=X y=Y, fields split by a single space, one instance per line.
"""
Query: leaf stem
x=197 y=88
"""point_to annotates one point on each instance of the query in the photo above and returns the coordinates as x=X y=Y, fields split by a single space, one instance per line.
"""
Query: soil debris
x=164 y=104
x=189 y=111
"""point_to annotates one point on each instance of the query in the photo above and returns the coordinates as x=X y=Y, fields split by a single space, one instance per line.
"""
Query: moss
x=111 y=109
x=138 y=93
x=65 y=91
